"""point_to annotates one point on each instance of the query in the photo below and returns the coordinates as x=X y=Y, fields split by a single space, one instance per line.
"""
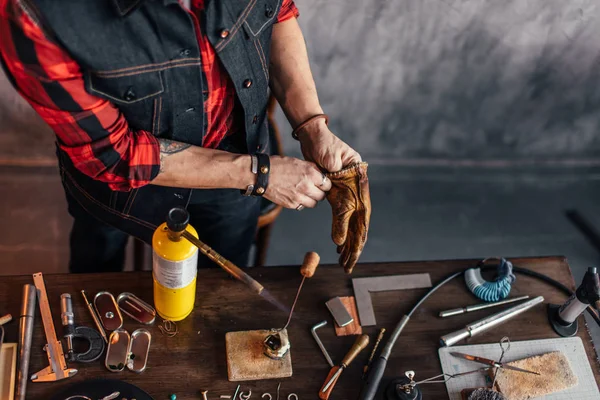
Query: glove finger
x=354 y=244
x=344 y=257
x=339 y=228
x=351 y=262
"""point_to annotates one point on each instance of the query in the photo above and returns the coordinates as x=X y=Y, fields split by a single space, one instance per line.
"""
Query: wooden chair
x=142 y=254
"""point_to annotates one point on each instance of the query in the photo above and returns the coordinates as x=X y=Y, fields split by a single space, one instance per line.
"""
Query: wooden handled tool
x=310 y=264
x=307 y=270
x=361 y=342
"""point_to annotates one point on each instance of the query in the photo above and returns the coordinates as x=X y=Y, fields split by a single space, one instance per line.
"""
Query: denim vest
x=144 y=57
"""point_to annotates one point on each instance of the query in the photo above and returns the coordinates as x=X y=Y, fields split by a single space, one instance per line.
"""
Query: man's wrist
x=242 y=175
x=313 y=130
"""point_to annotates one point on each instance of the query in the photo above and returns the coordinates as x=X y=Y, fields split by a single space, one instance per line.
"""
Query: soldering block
x=555 y=375
x=246 y=360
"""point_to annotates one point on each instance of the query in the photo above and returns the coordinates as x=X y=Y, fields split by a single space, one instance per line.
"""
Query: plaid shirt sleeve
x=92 y=131
x=288 y=11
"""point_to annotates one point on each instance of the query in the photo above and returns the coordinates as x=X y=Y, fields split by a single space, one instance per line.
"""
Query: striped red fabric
x=90 y=130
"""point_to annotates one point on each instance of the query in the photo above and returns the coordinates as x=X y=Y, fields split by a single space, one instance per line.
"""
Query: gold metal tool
x=233 y=270
x=374 y=351
x=361 y=342
x=58 y=368
x=94 y=317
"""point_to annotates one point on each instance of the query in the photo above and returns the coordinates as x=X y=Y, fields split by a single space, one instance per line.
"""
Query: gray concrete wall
x=414 y=80
x=458 y=79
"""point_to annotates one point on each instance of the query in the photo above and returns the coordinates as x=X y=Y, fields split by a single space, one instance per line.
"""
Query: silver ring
x=324 y=180
x=300 y=208
x=292 y=396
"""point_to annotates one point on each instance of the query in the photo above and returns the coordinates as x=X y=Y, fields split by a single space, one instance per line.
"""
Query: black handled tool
x=92 y=336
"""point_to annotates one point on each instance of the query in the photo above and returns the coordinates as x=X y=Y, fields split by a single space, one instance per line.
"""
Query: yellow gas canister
x=174 y=267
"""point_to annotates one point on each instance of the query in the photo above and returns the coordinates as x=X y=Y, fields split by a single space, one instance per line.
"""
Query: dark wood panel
x=194 y=360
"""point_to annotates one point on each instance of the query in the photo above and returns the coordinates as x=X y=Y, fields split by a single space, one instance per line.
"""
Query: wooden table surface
x=194 y=360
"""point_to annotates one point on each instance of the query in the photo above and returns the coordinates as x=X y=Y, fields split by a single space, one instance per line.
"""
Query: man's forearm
x=292 y=82
x=187 y=166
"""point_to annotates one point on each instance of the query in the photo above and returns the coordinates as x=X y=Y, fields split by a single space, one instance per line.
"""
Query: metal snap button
x=129 y=94
x=247 y=83
x=269 y=12
x=185 y=52
x=224 y=33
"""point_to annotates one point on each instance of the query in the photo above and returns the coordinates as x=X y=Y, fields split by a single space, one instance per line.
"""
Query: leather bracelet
x=254 y=169
x=262 y=176
x=307 y=122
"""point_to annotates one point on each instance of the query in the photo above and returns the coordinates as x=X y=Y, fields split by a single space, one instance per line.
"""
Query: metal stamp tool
x=489 y=322
x=58 y=368
x=339 y=312
x=28 y=303
x=313 y=331
x=335 y=372
x=477 y=307
x=91 y=336
x=265 y=354
x=94 y=315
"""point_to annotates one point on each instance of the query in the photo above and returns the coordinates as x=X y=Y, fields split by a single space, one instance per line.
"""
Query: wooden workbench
x=194 y=360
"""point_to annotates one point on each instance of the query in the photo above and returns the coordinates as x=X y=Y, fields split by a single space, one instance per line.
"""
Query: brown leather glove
x=351 y=206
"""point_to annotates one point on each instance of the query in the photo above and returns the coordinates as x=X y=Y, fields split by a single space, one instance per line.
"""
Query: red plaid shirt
x=52 y=82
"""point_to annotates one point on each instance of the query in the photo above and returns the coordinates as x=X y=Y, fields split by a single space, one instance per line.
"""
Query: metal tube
x=481 y=306
x=489 y=322
x=28 y=305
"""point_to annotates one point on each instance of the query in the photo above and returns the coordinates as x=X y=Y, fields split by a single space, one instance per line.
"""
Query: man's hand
x=294 y=182
x=322 y=147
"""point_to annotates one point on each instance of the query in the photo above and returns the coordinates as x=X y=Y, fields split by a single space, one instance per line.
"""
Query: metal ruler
x=57 y=369
x=363 y=287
